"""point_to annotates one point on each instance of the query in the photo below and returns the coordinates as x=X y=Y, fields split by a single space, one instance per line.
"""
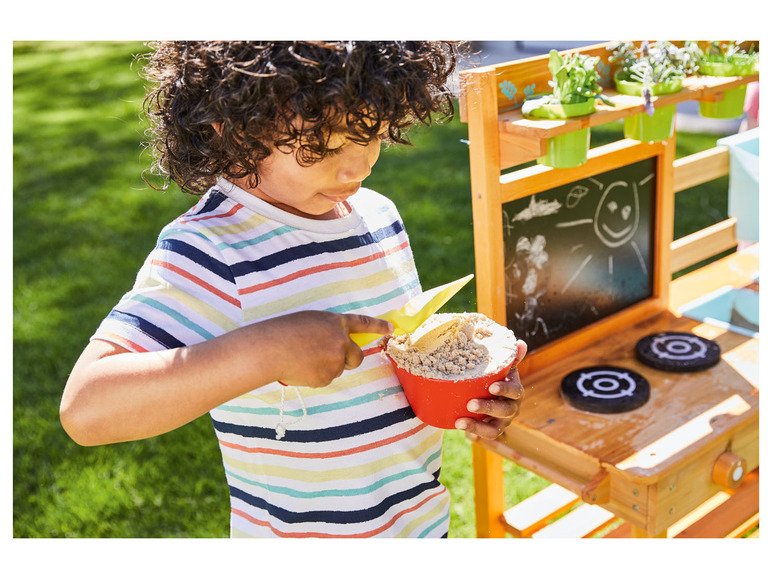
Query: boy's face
x=318 y=191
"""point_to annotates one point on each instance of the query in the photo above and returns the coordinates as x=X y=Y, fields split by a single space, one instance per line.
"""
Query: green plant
x=574 y=78
x=730 y=53
x=652 y=64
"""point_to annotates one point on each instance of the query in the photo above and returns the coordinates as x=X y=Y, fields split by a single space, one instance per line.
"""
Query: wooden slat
x=537 y=178
x=735 y=270
x=542 y=467
x=703 y=244
x=623 y=531
x=741 y=506
x=583 y=521
x=533 y=513
x=700 y=168
x=745 y=527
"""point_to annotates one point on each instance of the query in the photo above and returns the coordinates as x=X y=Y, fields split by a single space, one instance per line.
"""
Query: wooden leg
x=638 y=533
x=488 y=492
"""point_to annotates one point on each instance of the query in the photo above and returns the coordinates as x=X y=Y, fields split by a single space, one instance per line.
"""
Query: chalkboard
x=579 y=252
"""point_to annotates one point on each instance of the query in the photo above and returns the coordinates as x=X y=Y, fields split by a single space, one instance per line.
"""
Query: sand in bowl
x=449 y=360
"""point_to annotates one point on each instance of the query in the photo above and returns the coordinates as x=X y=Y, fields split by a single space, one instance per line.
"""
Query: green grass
x=83 y=221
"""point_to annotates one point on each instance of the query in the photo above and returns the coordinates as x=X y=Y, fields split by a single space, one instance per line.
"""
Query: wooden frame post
x=489 y=492
x=484 y=151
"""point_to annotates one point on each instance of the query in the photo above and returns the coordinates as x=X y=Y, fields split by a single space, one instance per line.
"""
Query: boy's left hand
x=500 y=410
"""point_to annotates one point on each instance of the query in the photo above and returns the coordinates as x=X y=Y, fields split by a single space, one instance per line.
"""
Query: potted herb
x=726 y=59
x=648 y=71
x=574 y=90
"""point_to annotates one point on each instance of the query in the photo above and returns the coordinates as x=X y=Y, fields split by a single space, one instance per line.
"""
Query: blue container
x=744 y=182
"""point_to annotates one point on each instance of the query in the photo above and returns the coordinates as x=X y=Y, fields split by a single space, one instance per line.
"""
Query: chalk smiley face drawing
x=615 y=223
x=616 y=217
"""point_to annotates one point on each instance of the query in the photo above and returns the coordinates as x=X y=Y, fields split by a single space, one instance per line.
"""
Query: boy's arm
x=114 y=395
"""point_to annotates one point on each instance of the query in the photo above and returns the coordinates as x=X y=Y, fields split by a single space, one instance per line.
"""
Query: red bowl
x=441 y=402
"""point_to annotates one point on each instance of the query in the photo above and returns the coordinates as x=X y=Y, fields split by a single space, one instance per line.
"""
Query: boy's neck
x=342 y=209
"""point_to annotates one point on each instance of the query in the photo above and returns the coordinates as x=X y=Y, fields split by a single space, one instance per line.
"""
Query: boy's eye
x=381 y=137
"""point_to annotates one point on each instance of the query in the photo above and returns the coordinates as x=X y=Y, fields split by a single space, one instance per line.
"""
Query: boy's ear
x=218 y=128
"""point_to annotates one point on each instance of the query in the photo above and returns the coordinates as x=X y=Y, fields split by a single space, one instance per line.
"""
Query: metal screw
x=635 y=492
x=635 y=507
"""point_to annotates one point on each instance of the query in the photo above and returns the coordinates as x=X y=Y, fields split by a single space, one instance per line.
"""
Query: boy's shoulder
x=204 y=220
x=371 y=199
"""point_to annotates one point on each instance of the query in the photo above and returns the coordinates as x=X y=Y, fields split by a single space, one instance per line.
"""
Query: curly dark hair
x=286 y=95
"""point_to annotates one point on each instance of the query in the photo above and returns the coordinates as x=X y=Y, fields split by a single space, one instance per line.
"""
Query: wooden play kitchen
x=579 y=263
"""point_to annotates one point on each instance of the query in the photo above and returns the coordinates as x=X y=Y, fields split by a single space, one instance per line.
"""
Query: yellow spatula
x=416 y=311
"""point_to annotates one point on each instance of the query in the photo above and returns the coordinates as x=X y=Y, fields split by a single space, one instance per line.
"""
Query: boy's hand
x=317 y=347
x=501 y=410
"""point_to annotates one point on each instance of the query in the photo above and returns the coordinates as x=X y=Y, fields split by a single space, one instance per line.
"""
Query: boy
x=259 y=285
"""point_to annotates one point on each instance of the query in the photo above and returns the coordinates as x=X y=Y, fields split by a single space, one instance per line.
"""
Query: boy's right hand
x=316 y=347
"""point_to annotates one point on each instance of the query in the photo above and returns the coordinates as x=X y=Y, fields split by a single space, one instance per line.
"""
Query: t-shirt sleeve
x=185 y=293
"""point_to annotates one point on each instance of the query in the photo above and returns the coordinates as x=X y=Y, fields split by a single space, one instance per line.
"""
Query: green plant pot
x=636 y=88
x=733 y=103
x=730 y=107
x=727 y=68
x=570 y=149
x=649 y=129
x=657 y=127
x=541 y=109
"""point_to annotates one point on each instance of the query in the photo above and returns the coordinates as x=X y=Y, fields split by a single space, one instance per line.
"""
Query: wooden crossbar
x=534 y=513
x=739 y=511
x=584 y=521
x=703 y=244
x=700 y=168
x=689 y=172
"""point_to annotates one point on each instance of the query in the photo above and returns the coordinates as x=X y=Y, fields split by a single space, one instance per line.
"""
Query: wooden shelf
x=700 y=88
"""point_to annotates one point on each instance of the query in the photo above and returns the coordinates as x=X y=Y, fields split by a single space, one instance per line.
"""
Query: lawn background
x=83 y=222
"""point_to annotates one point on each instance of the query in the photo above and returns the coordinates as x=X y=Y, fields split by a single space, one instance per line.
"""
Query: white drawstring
x=281 y=428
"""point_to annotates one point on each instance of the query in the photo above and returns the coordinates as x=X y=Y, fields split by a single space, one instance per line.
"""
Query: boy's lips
x=339 y=196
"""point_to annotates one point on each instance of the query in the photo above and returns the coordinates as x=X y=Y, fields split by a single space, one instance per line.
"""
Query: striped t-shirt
x=354 y=461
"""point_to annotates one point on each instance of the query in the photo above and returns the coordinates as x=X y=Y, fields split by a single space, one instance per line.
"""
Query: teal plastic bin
x=731 y=308
x=744 y=182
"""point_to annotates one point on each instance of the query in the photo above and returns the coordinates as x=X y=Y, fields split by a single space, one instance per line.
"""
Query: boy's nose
x=358 y=165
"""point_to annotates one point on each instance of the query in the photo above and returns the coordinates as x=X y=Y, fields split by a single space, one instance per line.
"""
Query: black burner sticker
x=605 y=389
x=678 y=352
